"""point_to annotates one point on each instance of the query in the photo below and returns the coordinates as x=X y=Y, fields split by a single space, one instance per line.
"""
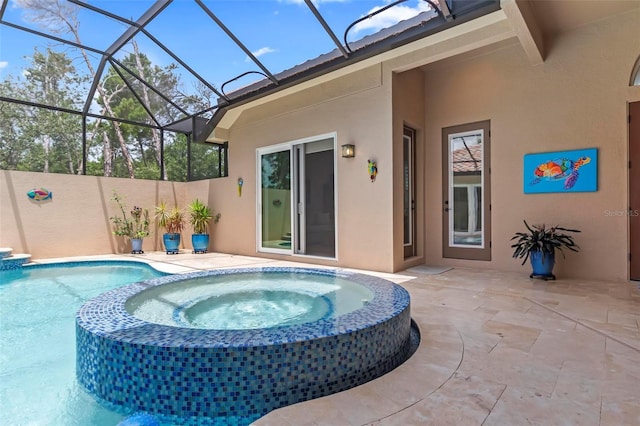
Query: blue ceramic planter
x=171 y=243
x=542 y=265
x=200 y=243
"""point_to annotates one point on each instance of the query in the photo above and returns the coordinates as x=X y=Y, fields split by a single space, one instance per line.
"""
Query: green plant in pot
x=172 y=220
x=200 y=215
x=539 y=244
x=135 y=227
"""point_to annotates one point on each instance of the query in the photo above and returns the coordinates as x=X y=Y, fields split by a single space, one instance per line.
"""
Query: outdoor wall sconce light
x=348 y=151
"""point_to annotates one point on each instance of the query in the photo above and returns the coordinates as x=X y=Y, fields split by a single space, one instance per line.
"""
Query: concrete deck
x=497 y=348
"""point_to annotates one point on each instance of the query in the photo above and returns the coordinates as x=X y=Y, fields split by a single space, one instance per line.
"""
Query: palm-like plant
x=200 y=216
x=542 y=239
x=172 y=220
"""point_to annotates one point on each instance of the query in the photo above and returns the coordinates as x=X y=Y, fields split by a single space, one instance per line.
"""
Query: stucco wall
x=76 y=220
x=576 y=99
x=357 y=109
x=408 y=110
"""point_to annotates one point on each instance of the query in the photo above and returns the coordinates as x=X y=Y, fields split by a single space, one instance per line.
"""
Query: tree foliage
x=46 y=140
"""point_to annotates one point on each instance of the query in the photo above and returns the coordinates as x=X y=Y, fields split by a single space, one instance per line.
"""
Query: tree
x=53 y=80
x=40 y=139
x=62 y=17
x=51 y=139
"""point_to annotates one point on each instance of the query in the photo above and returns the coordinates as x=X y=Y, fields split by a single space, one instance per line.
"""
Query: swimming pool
x=38 y=305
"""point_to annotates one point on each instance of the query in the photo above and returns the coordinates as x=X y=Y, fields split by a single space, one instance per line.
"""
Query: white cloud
x=260 y=52
x=390 y=16
x=316 y=3
x=3 y=64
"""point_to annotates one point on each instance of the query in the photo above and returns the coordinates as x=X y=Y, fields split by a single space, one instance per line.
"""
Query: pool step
x=10 y=261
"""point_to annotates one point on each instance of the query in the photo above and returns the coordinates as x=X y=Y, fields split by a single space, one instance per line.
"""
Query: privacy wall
x=75 y=220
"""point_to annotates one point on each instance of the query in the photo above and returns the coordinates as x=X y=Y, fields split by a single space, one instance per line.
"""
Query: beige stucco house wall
x=576 y=99
x=571 y=94
x=354 y=108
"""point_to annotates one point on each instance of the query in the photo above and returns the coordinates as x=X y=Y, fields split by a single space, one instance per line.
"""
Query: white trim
x=259 y=153
x=451 y=185
x=290 y=145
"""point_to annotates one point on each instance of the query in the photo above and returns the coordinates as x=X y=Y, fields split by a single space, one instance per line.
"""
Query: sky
x=280 y=33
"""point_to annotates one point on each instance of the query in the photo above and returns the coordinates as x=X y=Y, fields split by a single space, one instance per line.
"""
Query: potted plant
x=135 y=227
x=539 y=244
x=199 y=216
x=172 y=220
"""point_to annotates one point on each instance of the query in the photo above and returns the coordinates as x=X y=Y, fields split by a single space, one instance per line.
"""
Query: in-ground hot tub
x=198 y=344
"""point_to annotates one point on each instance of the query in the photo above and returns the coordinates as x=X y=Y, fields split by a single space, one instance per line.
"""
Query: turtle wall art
x=561 y=171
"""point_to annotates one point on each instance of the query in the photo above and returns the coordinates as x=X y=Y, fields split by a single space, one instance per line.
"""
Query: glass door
x=466 y=192
x=409 y=197
x=297 y=198
x=315 y=198
x=275 y=200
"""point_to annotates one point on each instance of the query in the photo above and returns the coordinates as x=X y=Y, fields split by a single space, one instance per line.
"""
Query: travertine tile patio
x=500 y=349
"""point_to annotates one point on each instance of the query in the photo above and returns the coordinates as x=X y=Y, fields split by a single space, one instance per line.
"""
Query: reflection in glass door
x=466 y=190
x=275 y=199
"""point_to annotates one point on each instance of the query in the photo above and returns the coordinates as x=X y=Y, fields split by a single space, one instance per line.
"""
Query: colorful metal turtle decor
x=560 y=169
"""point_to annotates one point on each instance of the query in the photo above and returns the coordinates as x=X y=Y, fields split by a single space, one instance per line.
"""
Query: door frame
x=295 y=148
x=259 y=211
x=467 y=252
x=303 y=195
x=410 y=248
x=634 y=190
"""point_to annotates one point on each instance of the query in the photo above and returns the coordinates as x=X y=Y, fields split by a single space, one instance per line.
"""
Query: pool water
x=248 y=301
x=38 y=306
x=252 y=309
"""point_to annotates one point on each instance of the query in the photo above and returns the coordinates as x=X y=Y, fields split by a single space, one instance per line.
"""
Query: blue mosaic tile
x=94 y=263
x=10 y=264
x=186 y=372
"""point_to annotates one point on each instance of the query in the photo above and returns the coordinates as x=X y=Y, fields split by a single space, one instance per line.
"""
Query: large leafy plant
x=200 y=216
x=543 y=239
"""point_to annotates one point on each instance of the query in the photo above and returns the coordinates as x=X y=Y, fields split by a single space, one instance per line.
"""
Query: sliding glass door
x=297 y=198
x=275 y=200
